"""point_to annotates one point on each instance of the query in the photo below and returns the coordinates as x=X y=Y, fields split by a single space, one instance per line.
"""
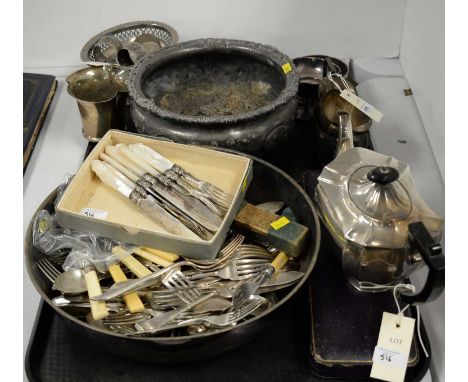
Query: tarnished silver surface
x=70 y=282
x=257 y=51
x=368 y=219
x=254 y=131
x=314 y=68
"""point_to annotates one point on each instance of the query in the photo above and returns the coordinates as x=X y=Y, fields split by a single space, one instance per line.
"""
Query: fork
x=187 y=188
x=160 y=319
x=210 y=190
x=51 y=272
x=172 y=301
x=185 y=288
x=247 y=290
x=235 y=270
x=226 y=319
x=48 y=269
x=239 y=253
x=133 y=285
x=225 y=253
x=57 y=257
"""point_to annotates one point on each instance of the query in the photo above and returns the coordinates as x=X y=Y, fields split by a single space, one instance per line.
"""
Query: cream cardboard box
x=120 y=219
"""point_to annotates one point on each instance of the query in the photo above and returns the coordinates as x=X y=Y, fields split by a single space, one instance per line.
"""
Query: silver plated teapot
x=373 y=211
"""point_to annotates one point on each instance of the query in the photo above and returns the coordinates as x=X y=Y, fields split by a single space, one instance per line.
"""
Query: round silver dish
x=269 y=183
x=153 y=34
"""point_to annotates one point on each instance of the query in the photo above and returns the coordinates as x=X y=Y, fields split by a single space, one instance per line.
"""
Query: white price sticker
x=93 y=213
x=389 y=357
x=362 y=105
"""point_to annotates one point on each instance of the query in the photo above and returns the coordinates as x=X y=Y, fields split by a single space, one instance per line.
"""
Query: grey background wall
x=55 y=30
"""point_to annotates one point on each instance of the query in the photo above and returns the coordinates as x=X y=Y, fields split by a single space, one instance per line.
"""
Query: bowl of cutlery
x=163 y=306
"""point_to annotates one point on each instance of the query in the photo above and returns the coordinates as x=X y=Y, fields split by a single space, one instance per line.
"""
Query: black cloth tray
x=56 y=353
x=282 y=353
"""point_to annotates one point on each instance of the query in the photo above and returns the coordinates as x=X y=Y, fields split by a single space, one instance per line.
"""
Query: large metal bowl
x=269 y=183
x=214 y=74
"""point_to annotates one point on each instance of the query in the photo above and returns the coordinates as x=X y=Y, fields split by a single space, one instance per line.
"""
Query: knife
x=164 y=165
x=116 y=180
x=188 y=203
x=139 y=171
x=118 y=162
x=143 y=188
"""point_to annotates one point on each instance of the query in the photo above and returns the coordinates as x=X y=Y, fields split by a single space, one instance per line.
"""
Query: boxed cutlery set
x=229 y=194
x=177 y=212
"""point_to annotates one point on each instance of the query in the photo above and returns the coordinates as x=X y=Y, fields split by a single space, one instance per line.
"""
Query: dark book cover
x=38 y=91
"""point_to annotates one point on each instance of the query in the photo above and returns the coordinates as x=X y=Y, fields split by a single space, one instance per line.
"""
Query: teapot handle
x=431 y=252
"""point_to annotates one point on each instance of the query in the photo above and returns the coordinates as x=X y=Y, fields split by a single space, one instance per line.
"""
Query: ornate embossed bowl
x=228 y=93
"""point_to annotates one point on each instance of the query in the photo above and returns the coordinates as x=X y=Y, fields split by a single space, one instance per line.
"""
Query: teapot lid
x=376 y=191
x=369 y=199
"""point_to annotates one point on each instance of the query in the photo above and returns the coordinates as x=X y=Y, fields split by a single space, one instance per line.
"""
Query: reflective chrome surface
x=369 y=218
x=312 y=69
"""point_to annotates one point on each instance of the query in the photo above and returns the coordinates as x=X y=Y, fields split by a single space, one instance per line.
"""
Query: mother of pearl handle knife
x=147 y=203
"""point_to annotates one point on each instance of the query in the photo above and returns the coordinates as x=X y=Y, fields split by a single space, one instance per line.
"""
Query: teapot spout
x=345 y=134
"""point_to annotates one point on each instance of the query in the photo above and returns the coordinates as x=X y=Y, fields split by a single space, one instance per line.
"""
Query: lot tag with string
x=353 y=99
x=393 y=347
x=362 y=105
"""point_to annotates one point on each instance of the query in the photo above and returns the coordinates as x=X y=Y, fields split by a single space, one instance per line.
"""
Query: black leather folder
x=38 y=91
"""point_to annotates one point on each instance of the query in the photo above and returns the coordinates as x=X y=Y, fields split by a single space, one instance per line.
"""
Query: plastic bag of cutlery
x=49 y=238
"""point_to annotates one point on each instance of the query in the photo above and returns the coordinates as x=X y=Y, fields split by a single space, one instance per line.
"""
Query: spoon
x=73 y=281
x=70 y=282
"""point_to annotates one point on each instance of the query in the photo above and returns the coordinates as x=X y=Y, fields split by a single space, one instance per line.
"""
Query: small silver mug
x=96 y=90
